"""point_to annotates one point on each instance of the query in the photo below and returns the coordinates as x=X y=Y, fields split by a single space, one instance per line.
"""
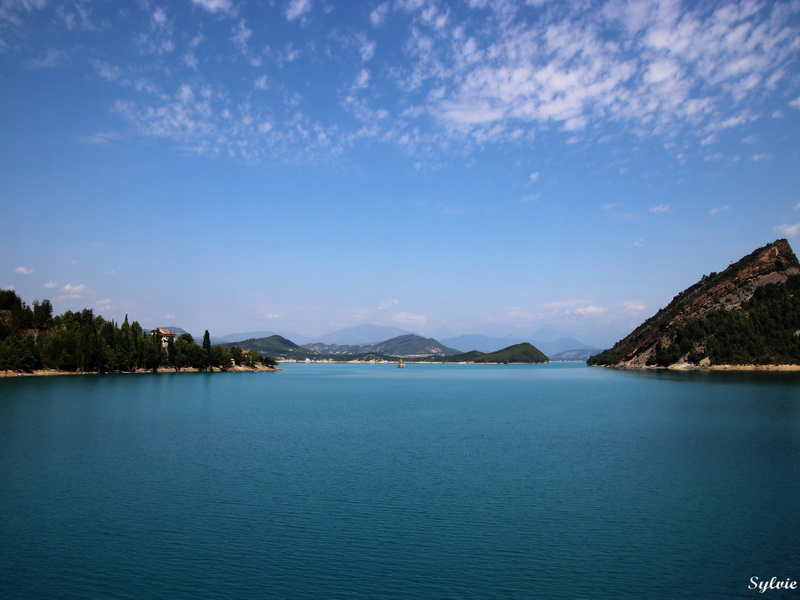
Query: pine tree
x=206 y=350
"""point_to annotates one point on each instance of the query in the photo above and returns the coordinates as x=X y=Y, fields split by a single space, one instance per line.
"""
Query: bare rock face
x=772 y=264
x=701 y=322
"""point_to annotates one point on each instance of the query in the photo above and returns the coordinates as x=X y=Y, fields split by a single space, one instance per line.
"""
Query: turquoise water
x=367 y=481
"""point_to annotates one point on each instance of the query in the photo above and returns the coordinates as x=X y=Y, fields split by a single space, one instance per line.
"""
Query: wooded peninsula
x=32 y=339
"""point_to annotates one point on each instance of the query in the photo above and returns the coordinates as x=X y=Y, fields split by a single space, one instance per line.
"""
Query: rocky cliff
x=747 y=314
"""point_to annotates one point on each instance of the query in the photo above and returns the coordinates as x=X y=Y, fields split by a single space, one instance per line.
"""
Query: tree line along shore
x=32 y=340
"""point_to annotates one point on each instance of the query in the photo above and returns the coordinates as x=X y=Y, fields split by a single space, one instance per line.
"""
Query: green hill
x=274 y=346
x=402 y=346
x=412 y=345
x=747 y=314
x=518 y=353
x=523 y=353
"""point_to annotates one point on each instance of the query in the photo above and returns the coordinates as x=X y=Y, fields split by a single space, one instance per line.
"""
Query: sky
x=445 y=167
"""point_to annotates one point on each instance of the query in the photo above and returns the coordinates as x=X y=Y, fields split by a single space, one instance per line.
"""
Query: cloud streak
x=481 y=72
x=789 y=231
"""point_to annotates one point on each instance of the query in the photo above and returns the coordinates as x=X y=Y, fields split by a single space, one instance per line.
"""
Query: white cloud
x=50 y=284
x=797 y=206
x=241 y=35
x=362 y=80
x=496 y=73
x=23 y=271
x=709 y=139
x=169 y=316
x=795 y=103
x=638 y=243
x=101 y=138
x=378 y=16
x=659 y=208
x=759 y=157
x=297 y=8
x=563 y=303
x=667 y=68
x=367 y=50
x=408 y=318
x=74 y=289
x=160 y=16
x=534 y=176
x=718 y=209
x=269 y=313
x=789 y=231
x=213 y=6
x=590 y=310
x=385 y=305
x=52 y=59
x=633 y=307
x=661 y=70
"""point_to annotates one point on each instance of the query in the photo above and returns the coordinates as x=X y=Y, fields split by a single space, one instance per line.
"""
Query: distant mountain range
x=523 y=353
x=577 y=355
x=274 y=346
x=485 y=343
x=406 y=346
x=252 y=335
x=363 y=339
x=361 y=334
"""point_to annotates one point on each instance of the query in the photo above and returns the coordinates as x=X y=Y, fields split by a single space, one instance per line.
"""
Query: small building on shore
x=164 y=336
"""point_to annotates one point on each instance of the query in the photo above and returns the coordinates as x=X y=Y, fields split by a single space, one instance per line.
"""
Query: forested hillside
x=31 y=338
x=748 y=314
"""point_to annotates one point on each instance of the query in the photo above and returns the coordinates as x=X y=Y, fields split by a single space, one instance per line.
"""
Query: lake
x=368 y=481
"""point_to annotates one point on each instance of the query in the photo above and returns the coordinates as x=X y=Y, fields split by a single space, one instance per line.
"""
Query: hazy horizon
x=443 y=167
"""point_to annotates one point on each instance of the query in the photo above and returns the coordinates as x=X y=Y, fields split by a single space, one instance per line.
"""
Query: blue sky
x=468 y=166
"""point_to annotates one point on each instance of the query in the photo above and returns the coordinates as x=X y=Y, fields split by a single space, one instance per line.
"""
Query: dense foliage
x=275 y=345
x=524 y=353
x=32 y=338
x=764 y=330
x=518 y=353
x=401 y=345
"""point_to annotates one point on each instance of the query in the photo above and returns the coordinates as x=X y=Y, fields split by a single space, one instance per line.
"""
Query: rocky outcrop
x=746 y=313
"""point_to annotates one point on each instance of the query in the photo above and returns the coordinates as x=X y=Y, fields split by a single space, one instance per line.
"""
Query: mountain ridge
x=522 y=353
x=361 y=334
x=747 y=314
x=405 y=346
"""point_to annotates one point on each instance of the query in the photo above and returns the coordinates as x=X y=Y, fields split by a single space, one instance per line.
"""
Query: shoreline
x=159 y=371
x=686 y=367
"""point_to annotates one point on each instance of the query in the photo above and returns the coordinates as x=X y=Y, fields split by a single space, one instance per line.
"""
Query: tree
x=171 y=353
x=220 y=357
x=184 y=351
x=236 y=355
x=42 y=314
x=207 y=350
x=9 y=300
